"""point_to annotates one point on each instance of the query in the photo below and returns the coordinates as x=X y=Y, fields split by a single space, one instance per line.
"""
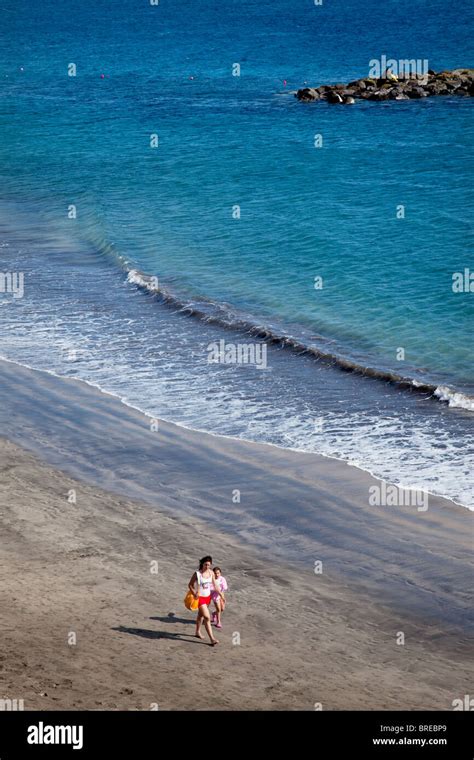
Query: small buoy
x=284 y=82
x=21 y=68
x=102 y=76
x=191 y=77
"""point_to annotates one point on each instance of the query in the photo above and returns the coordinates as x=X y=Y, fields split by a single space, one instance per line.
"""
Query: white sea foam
x=455 y=398
x=143 y=281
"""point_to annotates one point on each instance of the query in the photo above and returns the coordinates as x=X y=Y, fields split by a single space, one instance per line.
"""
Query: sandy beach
x=102 y=523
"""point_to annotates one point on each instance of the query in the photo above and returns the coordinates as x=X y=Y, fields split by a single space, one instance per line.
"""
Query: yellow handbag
x=190 y=602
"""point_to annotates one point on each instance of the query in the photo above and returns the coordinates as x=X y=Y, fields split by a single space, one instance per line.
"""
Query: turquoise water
x=387 y=301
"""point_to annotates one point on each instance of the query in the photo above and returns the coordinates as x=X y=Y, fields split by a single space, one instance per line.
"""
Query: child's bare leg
x=218 y=611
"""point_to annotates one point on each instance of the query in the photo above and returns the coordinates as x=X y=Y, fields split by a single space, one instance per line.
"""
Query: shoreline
x=143 y=497
x=186 y=428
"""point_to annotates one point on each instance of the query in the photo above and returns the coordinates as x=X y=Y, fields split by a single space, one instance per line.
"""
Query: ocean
x=163 y=192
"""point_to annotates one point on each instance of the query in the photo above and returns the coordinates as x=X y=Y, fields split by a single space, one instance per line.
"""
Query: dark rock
x=379 y=95
x=308 y=93
x=459 y=81
x=416 y=92
x=387 y=81
x=333 y=97
x=464 y=72
x=395 y=92
x=436 y=87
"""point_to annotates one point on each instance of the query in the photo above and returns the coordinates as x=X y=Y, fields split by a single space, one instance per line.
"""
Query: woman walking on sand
x=201 y=585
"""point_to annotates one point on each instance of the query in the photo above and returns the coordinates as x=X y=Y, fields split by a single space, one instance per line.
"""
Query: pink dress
x=222 y=583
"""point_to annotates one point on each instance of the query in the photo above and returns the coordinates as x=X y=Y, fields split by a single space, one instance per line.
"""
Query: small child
x=219 y=603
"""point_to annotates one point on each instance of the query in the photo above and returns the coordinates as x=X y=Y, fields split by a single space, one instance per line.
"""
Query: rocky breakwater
x=389 y=87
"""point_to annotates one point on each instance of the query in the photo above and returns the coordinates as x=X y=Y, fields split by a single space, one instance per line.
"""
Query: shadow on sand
x=172 y=619
x=147 y=634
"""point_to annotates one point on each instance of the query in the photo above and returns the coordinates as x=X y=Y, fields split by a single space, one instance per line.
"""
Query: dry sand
x=84 y=570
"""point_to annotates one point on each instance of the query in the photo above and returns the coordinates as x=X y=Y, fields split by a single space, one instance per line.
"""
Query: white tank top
x=205 y=584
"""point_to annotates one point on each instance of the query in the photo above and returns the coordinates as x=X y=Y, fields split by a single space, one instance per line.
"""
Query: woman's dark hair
x=217 y=568
x=203 y=560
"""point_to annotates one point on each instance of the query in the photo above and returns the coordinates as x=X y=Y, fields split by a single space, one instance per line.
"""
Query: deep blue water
x=387 y=301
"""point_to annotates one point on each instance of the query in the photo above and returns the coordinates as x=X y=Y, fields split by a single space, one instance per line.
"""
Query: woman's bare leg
x=207 y=623
x=198 y=624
